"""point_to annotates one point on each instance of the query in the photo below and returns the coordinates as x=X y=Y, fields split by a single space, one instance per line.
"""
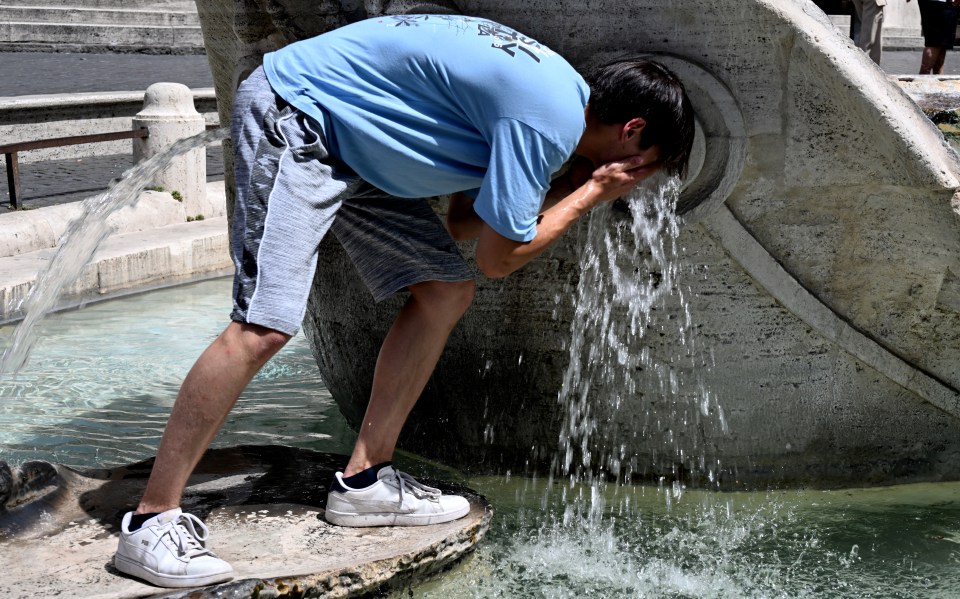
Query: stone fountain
x=820 y=229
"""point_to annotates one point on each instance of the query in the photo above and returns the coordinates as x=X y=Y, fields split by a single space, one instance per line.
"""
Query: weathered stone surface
x=824 y=247
x=932 y=93
x=161 y=27
x=264 y=506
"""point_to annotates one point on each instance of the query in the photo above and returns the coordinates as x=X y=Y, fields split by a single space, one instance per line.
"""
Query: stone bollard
x=169 y=113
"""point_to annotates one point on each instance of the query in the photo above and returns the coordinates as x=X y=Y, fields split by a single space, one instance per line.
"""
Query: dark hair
x=627 y=89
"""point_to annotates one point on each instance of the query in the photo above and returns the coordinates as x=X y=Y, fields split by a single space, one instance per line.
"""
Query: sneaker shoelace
x=189 y=534
x=405 y=483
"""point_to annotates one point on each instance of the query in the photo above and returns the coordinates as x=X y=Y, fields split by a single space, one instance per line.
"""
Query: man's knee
x=453 y=297
x=258 y=343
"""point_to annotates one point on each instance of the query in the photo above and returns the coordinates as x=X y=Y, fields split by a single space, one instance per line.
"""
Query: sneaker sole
x=128 y=566
x=392 y=519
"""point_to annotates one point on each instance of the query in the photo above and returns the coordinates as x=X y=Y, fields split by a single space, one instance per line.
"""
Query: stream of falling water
x=629 y=295
x=82 y=238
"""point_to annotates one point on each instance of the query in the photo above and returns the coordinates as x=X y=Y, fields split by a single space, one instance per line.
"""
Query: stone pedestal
x=169 y=114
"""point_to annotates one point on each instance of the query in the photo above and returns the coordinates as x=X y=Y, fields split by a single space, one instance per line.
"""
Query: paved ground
x=70 y=180
x=56 y=182
x=28 y=73
x=907 y=62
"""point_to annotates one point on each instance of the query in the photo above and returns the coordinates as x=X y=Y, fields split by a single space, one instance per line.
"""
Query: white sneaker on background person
x=395 y=499
x=169 y=550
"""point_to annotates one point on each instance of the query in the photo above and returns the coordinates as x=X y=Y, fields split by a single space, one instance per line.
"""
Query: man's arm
x=498 y=256
x=577 y=174
x=464 y=223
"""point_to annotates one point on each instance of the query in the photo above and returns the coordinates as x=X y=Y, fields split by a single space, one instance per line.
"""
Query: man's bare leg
x=206 y=397
x=406 y=361
x=932 y=60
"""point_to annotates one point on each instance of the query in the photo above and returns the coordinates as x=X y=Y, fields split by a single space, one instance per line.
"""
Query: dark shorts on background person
x=939 y=23
x=290 y=192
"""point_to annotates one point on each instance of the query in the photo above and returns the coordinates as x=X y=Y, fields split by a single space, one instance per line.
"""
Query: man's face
x=615 y=153
x=623 y=141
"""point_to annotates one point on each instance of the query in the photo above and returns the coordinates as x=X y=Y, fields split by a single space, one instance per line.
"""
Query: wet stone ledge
x=264 y=507
x=938 y=96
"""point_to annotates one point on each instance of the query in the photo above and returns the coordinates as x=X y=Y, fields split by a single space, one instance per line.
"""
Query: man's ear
x=632 y=129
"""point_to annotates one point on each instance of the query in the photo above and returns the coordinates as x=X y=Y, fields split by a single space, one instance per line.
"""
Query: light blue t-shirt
x=427 y=105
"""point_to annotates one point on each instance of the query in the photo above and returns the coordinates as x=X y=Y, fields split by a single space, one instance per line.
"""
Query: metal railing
x=10 y=152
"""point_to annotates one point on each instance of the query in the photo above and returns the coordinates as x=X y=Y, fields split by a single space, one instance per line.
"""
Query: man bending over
x=349 y=131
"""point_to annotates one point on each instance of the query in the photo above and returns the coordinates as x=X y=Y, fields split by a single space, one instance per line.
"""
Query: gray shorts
x=290 y=192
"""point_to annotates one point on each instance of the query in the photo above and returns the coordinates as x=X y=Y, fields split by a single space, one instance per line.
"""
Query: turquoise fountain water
x=100 y=385
x=97 y=389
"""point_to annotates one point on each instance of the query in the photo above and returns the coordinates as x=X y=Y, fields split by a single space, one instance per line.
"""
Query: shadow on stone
x=236 y=476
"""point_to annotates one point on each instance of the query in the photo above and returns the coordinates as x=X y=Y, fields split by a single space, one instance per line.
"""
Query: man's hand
x=498 y=256
x=615 y=179
x=608 y=177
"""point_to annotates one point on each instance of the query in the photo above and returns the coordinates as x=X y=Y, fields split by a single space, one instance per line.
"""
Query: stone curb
x=148 y=251
x=103 y=33
x=81 y=15
x=99 y=48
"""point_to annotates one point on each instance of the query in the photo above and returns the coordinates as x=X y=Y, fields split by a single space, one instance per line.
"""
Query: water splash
x=82 y=238
x=785 y=544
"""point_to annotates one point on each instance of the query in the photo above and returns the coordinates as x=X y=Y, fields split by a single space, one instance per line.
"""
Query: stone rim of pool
x=264 y=508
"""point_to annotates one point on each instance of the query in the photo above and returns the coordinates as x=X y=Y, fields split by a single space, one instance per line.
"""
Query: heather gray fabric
x=281 y=162
x=396 y=242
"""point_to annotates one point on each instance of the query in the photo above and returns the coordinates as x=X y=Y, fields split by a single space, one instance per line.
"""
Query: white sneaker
x=169 y=550
x=396 y=499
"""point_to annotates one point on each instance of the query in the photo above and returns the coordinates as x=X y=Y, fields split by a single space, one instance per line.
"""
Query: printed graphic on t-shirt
x=511 y=41
x=505 y=39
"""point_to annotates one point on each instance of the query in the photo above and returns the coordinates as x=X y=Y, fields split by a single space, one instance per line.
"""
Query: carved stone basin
x=821 y=245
